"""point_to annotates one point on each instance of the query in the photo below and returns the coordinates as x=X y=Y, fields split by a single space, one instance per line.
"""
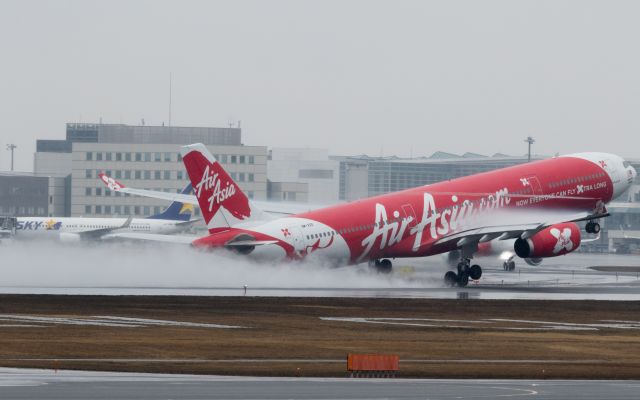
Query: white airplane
x=174 y=219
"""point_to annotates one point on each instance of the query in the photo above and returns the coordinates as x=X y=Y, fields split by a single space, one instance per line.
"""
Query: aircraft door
x=297 y=238
x=534 y=184
x=611 y=169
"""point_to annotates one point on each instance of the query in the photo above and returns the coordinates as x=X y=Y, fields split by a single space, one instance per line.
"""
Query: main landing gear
x=383 y=266
x=592 y=227
x=465 y=272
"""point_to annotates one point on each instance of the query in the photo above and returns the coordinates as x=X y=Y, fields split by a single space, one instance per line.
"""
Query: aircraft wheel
x=595 y=228
x=463 y=279
x=450 y=278
x=475 y=272
x=382 y=266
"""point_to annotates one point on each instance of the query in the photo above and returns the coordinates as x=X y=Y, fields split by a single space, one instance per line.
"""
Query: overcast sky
x=393 y=77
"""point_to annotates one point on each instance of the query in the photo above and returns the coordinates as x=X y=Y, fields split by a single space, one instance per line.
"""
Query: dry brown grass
x=290 y=328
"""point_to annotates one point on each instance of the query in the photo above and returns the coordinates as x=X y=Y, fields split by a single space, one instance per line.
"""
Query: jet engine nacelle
x=68 y=237
x=534 y=262
x=553 y=241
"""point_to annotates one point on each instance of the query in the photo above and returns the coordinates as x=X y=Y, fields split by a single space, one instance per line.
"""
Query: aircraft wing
x=274 y=208
x=101 y=232
x=116 y=186
x=537 y=222
x=151 y=237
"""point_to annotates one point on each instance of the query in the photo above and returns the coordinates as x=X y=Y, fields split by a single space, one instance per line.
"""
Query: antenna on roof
x=169 y=98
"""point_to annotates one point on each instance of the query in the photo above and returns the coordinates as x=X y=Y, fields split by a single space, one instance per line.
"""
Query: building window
x=87 y=209
x=252 y=160
x=127 y=174
x=156 y=210
x=88 y=173
x=87 y=191
x=250 y=177
x=107 y=209
x=233 y=175
x=167 y=157
x=167 y=174
x=138 y=156
x=89 y=156
x=98 y=191
x=138 y=174
x=127 y=156
x=118 y=174
x=117 y=209
x=233 y=159
x=241 y=177
x=127 y=210
x=179 y=157
x=136 y=210
x=147 y=156
x=107 y=192
x=118 y=194
x=156 y=175
x=157 y=157
x=147 y=174
x=223 y=158
x=98 y=156
x=242 y=159
x=179 y=175
x=98 y=209
x=146 y=210
x=250 y=194
x=108 y=172
x=108 y=155
x=118 y=156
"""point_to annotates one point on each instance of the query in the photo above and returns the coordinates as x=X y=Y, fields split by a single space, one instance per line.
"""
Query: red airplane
x=535 y=205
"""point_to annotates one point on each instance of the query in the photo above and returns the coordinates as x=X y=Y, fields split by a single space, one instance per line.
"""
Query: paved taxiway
x=569 y=277
x=47 y=384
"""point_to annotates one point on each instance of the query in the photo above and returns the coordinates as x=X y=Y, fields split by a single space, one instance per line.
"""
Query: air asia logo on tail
x=215 y=188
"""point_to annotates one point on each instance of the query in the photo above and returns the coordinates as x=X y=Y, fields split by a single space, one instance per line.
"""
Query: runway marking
x=491 y=323
x=104 y=321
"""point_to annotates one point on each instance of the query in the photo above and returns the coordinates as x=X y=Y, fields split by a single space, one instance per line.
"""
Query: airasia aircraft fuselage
x=411 y=223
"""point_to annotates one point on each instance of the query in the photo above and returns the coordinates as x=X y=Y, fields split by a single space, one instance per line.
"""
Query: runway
x=571 y=277
x=48 y=384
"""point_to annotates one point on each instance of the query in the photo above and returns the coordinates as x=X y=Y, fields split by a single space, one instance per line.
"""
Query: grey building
x=141 y=156
x=27 y=195
x=364 y=176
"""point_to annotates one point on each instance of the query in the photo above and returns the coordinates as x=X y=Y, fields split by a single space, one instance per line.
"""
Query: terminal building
x=303 y=175
x=146 y=157
x=364 y=176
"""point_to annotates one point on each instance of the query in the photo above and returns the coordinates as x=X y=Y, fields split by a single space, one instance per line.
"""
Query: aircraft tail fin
x=222 y=203
x=177 y=211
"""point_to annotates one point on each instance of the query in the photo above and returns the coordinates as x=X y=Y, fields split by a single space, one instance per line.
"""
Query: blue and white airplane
x=174 y=219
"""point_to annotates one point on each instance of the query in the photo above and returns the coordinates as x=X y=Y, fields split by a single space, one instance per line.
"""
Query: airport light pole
x=11 y=147
x=529 y=140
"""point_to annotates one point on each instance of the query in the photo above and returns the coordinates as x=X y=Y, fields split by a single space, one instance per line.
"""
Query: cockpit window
x=626 y=164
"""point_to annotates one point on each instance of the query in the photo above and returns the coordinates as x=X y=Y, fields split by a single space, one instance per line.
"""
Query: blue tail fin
x=177 y=211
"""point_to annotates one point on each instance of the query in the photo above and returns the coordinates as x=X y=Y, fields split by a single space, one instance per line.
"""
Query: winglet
x=127 y=222
x=111 y=183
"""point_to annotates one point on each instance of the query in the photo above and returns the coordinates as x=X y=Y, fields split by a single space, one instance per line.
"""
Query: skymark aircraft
x=174 y=219
x=536 y=205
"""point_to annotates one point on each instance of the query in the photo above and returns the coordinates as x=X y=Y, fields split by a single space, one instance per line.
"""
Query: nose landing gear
x=465 y=272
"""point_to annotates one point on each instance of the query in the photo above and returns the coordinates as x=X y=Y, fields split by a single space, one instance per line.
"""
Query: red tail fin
x=221 y=200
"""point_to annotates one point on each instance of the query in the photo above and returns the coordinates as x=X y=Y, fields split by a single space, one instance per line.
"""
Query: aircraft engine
x=553 y=241
x=534 y=262
x=68 y=237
